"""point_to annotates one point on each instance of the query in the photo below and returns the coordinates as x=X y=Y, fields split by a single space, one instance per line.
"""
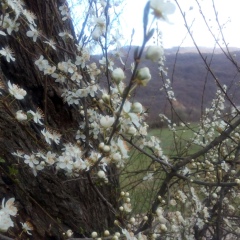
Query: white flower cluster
x=8 y=24
x=212 y=120
x=64 y=12
x=8 y=210
x=168 y=89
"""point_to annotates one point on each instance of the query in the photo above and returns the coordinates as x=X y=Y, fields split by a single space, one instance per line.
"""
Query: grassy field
x=136 y=177
x=178 y=142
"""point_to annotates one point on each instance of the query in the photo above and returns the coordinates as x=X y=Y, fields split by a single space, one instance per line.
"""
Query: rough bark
x=50 y=202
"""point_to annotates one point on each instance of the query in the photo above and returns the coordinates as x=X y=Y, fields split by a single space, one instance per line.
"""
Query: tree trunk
x=51 y=202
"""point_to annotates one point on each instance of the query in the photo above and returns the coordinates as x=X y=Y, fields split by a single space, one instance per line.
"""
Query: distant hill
x=193 y=85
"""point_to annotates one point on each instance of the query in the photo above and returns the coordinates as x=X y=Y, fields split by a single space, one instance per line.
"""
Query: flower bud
x=116 y=156
x=96 y=34
x=105 y=97
x=131 y=130
x=101 y=174
x=154 y=236
x=237 y=181
x=101 y=145
x=116 y=222
x=132 y=220
x=21 y=116
x=163 y=227
x=214 y=195
x=107 y=121
x=106 y=233
x=106 y=149
x=143 y=76
x=145 y=218
x=69 y=233
x=94 y=234
x=137 y=107
x=154 y=53
x=118 y=75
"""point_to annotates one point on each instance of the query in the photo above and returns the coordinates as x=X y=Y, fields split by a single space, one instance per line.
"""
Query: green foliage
x=13 y=171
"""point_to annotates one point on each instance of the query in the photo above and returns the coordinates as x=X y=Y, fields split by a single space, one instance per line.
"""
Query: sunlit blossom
x=162 y=8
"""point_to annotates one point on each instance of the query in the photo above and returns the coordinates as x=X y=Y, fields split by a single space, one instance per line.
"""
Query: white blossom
x=41 y=63
x=37 y=116
x=5 y=222
x=8 y=53
x=9 y=207
x=162 y=8
x=17 y=92
x=31 y=160
x=33 y=33
x=26 y=227
x=51 y=43
x=107 y=121
x=30 y=16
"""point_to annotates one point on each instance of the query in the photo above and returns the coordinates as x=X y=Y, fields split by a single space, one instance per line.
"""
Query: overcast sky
x=173 y=34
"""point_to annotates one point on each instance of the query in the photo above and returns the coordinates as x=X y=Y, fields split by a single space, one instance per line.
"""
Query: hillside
x=193 y=85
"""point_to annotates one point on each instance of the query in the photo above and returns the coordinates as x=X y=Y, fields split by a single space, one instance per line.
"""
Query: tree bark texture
x=50 y=202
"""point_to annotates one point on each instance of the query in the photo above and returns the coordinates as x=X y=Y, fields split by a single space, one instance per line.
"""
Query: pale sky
x=173 y=34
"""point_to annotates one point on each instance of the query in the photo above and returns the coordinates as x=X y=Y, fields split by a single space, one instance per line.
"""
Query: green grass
x=143 y=192
x=179 y=142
